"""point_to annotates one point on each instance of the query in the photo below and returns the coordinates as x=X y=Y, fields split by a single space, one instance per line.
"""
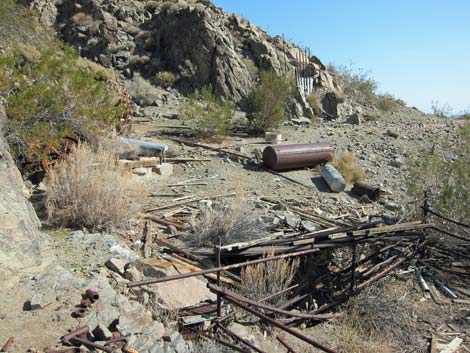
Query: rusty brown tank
x=283 y=157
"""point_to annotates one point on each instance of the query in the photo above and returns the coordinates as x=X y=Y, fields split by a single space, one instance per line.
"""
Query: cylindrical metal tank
x=373 y=192
x=333 y=178
x=284 y=157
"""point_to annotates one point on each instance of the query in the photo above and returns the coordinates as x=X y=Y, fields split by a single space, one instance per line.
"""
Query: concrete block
x=164 y=169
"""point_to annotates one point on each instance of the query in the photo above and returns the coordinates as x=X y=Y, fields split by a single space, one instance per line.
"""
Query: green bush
x=165 y=78
x=251 y=67
x=50 y=92
x=266 y=103
x=210 y=117
x=444 y=173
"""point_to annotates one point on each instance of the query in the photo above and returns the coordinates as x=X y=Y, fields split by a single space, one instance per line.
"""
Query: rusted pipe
x=283 y=327
x=85 y=303
x=226 y=317
x=93 y=344
x=80 y=312
x=238 y=338
x=372 y=192
x=225 y=292
x=282 y=157
x=285 y=344
x=217 y=269
x=83 y=330
x=7 y=344
x=92 y=295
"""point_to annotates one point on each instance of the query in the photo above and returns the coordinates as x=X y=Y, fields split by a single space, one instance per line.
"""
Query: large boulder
x=20 y=239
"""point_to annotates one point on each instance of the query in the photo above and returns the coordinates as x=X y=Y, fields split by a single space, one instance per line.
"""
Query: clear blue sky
x=417 y=50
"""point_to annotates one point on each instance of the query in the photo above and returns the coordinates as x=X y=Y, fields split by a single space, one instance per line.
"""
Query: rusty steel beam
x=218 y=269
x=226 y=317
x=238 y=338
x=285 y=344
x=290 y=330
x=227 y=293
x=373 y=279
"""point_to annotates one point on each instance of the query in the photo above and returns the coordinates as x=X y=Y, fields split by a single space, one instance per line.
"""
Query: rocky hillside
x=187 y=44
x=20 y=240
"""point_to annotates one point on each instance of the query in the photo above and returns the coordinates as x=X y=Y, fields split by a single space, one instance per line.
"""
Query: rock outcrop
x=20 y=239
x=195 y=41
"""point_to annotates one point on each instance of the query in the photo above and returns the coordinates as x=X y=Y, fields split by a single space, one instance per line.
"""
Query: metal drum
x=284 y=157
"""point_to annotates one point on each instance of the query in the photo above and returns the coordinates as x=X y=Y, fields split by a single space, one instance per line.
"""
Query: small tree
x=210 y=117
x=266 y=103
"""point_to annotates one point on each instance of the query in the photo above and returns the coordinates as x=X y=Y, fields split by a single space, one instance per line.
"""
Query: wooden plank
x=177 y=204
x=142 y=163
x=453 y=346
x=433 y=343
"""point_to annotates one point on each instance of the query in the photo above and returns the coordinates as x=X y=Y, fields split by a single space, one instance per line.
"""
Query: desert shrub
x=89 y=189
x=251 y=67
x=82 y=19
x=165 y=78
x=357 y=84
x=152 y=5
x=378 y=319
x=387 y=103
x=142 y=91
x=266 y=104
x=225 y=224
x=349 y=168
x=50 y=92
x=210 y=117
x=313 y=103
x=443 y=171
x=441 y=110
x=266 y=278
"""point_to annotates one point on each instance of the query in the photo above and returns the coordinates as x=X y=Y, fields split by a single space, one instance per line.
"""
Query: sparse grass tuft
x=142 y=91
x=89 y=189
x=382 y=318
x=357 y=84
x=82 y=19
x=349 y=168
x=263 y=279
x=251 y=66
x=165 y=79
x=222 y=224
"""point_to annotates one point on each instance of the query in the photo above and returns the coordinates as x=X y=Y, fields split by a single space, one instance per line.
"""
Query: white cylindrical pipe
x=333 y=178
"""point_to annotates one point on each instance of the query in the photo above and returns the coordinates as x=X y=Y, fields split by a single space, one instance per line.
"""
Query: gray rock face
x=20 y=239
x=196 y=41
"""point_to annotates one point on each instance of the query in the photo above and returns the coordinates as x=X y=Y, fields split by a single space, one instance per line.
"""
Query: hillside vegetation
x=50 y=92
